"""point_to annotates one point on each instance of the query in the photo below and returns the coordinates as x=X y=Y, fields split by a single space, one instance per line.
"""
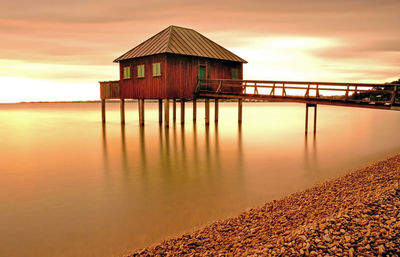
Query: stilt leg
x=166 y=112
x=141 y=111
x=207 y=111
x=194 y=110
x=306 y=128
x=122 y=110
x=240 y=110
x=160 y=111
x=174 y=110
x=315 y=119
x=182 y=111
x=103 y=110
x=216 y=110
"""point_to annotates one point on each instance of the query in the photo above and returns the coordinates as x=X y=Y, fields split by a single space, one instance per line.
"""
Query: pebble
x=354 y=215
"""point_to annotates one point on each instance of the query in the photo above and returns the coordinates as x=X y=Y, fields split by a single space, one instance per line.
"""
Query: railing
x=110 y=89
x=383 y=94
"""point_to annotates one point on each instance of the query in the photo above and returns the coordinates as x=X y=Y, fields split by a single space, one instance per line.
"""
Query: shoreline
x=355 y=214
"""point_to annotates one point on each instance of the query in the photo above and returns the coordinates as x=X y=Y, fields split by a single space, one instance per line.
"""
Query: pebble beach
x=353 y=215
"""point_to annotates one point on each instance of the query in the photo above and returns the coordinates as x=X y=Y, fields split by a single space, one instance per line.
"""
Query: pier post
x=315 y=119
x=141 y=112
x=306 y=128
x=194 y=110
x=182 y=111
x=240 y=110
x=166 y=112
x=103 y=110
x=122 y=110
x=174 y=110
x=216 y=110
x=160 y=111
x=207 y=110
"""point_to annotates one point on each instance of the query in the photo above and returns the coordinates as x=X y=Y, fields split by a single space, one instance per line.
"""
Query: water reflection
x=310 y=153
x=169 y=140
x=139 y=185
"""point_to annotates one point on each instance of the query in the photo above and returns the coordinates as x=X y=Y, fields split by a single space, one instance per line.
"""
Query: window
x=140 y=71
x=235 y=73
x=127 y=72
x=156 y=69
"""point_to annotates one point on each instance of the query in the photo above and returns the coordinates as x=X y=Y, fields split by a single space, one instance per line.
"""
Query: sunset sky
x=59 y=50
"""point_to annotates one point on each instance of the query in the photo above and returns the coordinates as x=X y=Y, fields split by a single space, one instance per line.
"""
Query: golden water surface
x=72 y=187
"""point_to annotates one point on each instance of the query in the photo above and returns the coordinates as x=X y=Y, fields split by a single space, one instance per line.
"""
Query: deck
x=377 y=96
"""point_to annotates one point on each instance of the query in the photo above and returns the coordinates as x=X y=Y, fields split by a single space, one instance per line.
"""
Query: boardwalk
x=377 y=96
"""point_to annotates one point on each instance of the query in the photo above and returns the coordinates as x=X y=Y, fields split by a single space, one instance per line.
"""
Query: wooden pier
x=363 y=95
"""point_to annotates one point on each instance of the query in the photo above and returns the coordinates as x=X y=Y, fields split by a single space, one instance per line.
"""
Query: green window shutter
x=127 y=72
x=156 y=69
x=140 y=71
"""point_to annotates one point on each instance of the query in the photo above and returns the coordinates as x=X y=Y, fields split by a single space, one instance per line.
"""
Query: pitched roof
x=178 y=40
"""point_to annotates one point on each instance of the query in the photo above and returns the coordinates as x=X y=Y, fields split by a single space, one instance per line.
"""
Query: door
x=202 y=76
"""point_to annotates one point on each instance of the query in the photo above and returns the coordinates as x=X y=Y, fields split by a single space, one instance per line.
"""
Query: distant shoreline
x=132 y=100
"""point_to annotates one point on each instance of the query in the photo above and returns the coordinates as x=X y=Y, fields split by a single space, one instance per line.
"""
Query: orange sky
x=59 y=50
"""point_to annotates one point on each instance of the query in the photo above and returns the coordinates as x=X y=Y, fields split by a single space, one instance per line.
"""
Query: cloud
x=77 y=40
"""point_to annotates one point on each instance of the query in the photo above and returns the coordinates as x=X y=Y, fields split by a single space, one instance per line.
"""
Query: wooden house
x=169 y=65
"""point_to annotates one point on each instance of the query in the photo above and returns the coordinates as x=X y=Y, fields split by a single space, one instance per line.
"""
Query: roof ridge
x=169 y=38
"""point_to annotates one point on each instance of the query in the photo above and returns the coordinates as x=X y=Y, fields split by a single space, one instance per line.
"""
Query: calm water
x=71 y=187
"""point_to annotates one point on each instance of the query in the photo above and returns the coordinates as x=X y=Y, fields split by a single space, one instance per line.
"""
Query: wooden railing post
x=272 y=90
x=392 y=101
x=347 y=93
x=283 y=89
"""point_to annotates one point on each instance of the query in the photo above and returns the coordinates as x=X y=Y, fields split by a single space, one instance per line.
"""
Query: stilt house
x=170 y=64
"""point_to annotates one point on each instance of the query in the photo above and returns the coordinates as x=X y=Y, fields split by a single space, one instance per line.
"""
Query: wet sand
x=356 y=214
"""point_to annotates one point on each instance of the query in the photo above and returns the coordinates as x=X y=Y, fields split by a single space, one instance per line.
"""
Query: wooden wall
x=179 y=74
x=110 y=90
x=183 y=73
x=148 y=87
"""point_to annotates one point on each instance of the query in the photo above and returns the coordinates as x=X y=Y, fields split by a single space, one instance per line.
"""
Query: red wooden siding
x=148 y=87
x=182 y=73
x=179 y=74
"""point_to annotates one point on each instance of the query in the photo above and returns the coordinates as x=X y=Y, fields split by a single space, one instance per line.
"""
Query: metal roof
x=178 y=40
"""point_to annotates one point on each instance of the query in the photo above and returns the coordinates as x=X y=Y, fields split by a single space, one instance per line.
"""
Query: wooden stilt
x=315 y=119
x=122 y=110
x=103 y=110
x=166 y=112
x=141 y=111
x=216 y=110
x=160 y=111
x=194 y=110
x=240 y=110
x=306 y=128
x=207 y=111
x=182 y=111
x=174 y=110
